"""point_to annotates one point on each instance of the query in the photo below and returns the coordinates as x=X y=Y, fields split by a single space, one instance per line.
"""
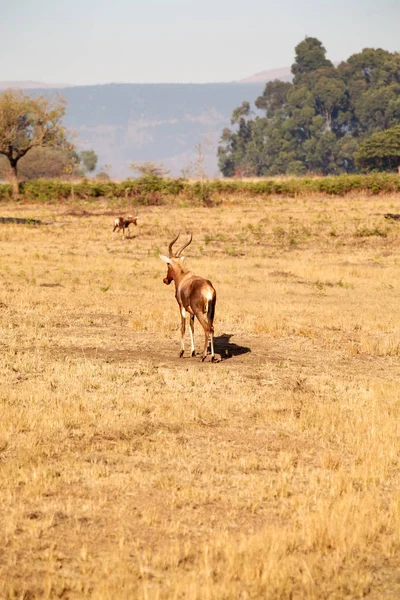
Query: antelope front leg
x=183 y=327
x=191 y=329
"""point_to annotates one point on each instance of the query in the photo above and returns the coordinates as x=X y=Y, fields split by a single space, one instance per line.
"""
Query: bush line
x=150 y=190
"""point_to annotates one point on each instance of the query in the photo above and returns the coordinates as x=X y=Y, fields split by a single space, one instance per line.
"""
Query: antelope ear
x=165 y=259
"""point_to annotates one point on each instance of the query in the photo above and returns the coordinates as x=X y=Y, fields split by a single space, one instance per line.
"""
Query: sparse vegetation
x=149 y=169
x=126 y=472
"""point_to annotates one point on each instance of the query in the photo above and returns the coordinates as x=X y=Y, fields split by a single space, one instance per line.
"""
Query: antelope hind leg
x=212 y=346
x=208 y=330
x=183 y=327
x=191 y=330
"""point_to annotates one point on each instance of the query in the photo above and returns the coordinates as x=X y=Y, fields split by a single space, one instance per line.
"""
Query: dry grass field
x=126 y=472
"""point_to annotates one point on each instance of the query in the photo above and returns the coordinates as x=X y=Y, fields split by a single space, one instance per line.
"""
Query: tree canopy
x=88 y=159
x=315 y=123
x=381 y=151
x=50 y=163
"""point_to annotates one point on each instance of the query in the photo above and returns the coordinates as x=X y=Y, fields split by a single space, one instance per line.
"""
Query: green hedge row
x=149 y=190
x=341 y=185
x=48 y=190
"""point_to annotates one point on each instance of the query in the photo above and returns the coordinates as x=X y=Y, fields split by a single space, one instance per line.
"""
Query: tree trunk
x=14 y=180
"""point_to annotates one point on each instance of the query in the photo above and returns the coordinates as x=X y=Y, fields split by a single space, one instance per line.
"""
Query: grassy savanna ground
x=128 y=473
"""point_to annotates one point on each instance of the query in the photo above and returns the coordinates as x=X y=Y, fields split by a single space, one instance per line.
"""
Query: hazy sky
x=100 y=41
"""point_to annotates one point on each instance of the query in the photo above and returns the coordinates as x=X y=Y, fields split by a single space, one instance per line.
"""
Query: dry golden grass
x=128 y=473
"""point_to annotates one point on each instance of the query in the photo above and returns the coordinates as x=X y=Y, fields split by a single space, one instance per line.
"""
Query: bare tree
x=196 y=168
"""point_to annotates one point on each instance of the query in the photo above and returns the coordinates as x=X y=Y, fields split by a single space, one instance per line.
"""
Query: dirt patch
x=294 y=354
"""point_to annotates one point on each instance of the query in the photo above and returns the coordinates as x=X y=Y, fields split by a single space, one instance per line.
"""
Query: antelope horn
x=185 y=246
x=171 y=254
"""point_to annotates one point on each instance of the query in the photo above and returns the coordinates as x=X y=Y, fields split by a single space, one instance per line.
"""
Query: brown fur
x=196 y=296
x=122 y=223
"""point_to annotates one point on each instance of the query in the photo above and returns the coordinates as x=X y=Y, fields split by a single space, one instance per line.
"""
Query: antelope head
x=174 y=260
x=133 y=219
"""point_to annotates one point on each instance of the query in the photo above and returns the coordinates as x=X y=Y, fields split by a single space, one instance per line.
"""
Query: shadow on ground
x=228 y=349
x=141 y=348
x=21 y=221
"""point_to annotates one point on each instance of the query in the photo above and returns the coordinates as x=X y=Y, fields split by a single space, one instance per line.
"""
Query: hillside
x=284 y=74
x=152 y=122
x=29 y=85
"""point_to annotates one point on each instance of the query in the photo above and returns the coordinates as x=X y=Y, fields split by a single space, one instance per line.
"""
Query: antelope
x=195 y=296
x=123 y=223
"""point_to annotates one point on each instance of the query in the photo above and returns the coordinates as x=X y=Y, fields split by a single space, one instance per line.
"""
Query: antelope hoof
x=193 y=353
x=181 y=353
x=203 y=359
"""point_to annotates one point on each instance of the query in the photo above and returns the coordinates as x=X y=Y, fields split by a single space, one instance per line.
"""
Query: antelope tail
x=210 y=309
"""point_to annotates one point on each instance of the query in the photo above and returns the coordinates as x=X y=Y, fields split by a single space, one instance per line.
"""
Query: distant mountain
x=163 y=123
x=30 y=85
x=284 y=74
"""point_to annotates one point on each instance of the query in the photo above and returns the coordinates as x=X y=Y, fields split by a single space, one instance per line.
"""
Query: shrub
x=5 y=192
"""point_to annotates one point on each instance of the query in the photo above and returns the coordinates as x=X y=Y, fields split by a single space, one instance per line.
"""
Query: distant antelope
x=123 y=223
x=194 y=295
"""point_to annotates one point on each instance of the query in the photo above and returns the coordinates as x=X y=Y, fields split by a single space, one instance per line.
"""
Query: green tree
x=240 y=112
x=274 y=98
x=27 y=123
x=88 y=159
x=381 y=151
x=104 y=173
x=372 y=79
x=310 y=56
x=315 y=123
x=346 y=148
x=329 y=95
x=235 y=145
